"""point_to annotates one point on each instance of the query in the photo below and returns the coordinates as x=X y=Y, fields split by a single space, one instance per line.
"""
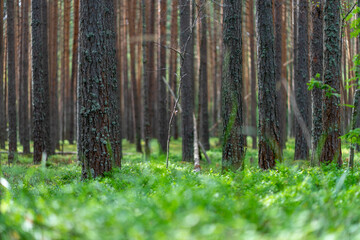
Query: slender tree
x=187 y=82
x=316 y=73
x=269 y=143
x=302 y=95
x=281 y=101
x=24 y=78
x=232 y=88
x=2 y=92
x=41 y=110
x=97 y=82
x=331 y=151
x=162 y=96
x=203 y=80
x=11 y=80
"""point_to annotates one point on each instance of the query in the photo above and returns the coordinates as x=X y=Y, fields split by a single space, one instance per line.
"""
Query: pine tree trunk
x=203 y=80
x=24 y=56
x=331 y=151
x=316 y=69
x=2 y=92
x=269 y=143
x=162 y=96
x=187 y=83
x=11 y=80
x=233 y=152
x=97 y=84
x=302 y=95
x=41 y=108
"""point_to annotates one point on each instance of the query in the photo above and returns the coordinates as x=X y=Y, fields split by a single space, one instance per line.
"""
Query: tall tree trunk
x=136 y=97
x=187 y=83
x=173 y=62
x=24 y=78
x=253 y=72
x=53 y=82
x=281 y=109
x=97 y=82
x=355 y=123
x=11 y=80
x=233 y=152
x=41 y=109
x=316 y=70
x=295 y=11
x=162 y=95
x=66 y=67
x=302 y=95
x=331 y=150
x=2 y=92
x=269 y=143
x=203 y=80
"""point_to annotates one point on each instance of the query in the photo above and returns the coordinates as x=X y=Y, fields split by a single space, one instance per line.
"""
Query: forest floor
x=145 y=200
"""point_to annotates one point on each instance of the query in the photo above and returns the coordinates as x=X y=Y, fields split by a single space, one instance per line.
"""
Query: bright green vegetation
x=144 y=200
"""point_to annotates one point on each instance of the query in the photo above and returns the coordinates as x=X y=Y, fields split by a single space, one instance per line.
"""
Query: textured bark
x=187 y=83
x=355 y=122
x=233 y=150
x=281 y=101
x=316 y=68
x=74 y=71
x=53 y=67
x=41 y=108
x=2 y=92
x=269 y=143
x=24 y=78
x=97 y=82
x=302 y=94
x=331 y=151
x=162 y=95
x=203 y=80
x=173 y=62
x=134 y=86
x=66 y=70
x=11 y=80
x=253 y=72
x=295 y=11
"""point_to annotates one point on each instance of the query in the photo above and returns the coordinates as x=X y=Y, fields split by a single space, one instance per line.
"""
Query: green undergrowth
x=144 y=200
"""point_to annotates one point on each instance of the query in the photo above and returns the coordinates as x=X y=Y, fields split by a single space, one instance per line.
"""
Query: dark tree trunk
x=74 y=71
x=295 y=67
x=233 y=151
x=302 y=95
x=331 y=150
x=253 y=73
x=53 y=82
x=41 y=108
x=162 y=96
x=316 y=69
x=269 y=143
x=355 y=122
x=173 y=63
x=2 y=92
x=136 y=97
x=151 y=66
x=187 y=83
x=97 y=84
x=24 y=78
x=281 y=101
x=203 y=81
x=11 y=80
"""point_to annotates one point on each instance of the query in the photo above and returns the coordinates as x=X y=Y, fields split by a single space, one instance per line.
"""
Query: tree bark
x=269 y=143
x=187 y=86
x=11 y=81
x=2 y=90
x=233 y=150
x=331 y=151
x=203 y=80
x=162 y=95
x=97 y=82
x=302 y=95
x=316 y=69
x=41 y=108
